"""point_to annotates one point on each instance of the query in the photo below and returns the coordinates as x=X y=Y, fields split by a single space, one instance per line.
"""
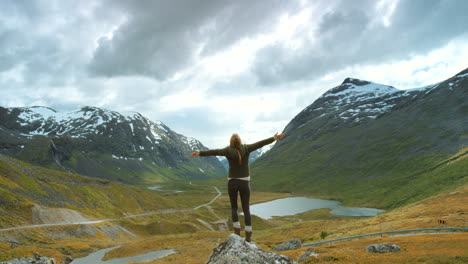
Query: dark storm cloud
x=160 y=38
x=351 y=35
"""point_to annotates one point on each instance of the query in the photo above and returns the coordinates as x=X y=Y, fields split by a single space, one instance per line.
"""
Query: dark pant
x=243 y=188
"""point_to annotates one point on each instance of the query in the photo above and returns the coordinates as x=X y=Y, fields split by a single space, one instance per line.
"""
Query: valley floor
x=194 y=241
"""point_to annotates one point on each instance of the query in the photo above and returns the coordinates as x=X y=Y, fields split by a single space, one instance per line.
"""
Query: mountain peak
x=355 y=81
x=352 y=86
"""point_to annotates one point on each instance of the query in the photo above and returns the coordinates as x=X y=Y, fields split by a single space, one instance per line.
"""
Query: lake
x=295 y=205
x=96 y=257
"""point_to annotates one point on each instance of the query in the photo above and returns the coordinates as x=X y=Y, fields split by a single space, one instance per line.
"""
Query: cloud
x=161 y=38
x=210 y=68
x=346 y=36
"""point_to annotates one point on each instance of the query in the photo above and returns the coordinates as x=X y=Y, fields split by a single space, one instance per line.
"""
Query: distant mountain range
x=372 y=144
x=96 y=142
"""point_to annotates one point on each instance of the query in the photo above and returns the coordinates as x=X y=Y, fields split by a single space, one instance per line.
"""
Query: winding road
x=388 y=232
x=212 y=201
x=163 y=211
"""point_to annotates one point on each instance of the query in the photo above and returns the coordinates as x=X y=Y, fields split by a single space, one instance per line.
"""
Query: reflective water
x=160 y=188
x=295 y=205
x=96 y=257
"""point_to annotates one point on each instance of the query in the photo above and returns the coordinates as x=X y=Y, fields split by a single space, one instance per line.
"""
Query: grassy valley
x=442 y=248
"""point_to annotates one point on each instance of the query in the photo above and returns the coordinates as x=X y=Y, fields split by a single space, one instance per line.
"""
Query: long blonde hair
x=236 y=142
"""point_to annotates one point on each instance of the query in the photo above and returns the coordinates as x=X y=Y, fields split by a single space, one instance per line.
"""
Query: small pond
x=160 y=188
x=295 y=205
x=96 y=257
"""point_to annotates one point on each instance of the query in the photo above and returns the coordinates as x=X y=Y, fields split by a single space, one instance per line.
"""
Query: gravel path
x=162 y=211
x=389 y=232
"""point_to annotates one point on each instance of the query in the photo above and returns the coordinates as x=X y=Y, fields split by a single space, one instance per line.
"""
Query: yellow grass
x=195 y=246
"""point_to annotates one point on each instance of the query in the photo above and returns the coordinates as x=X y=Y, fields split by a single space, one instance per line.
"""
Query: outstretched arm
x=255 y=146
x=211 y=152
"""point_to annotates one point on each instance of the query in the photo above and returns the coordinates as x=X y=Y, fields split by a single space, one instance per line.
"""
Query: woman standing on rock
x=239 y=176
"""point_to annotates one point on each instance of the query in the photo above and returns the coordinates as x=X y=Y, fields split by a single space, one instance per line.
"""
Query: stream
x=96 y=257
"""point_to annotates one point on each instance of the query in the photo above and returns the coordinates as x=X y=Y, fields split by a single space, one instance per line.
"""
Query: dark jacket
x=237 y=170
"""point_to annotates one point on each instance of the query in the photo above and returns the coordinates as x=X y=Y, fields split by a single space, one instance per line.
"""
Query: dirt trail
x=44 y=217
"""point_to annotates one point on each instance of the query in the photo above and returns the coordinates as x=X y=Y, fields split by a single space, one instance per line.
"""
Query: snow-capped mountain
x=356 y=101
x=90 y=131
x=362 y=139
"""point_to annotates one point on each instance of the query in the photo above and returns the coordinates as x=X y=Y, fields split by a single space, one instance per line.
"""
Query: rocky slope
x=373 y=144
x=91 y=141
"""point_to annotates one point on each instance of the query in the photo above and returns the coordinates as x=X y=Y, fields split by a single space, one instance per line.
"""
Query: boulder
x=382 y=248
x=235 y=250
x=67 y=260
x=307 y=255
x=288 y=245
x=35 y=260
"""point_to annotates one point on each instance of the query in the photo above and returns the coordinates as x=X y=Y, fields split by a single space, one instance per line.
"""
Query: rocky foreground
x=236 y=250
x=38 y=259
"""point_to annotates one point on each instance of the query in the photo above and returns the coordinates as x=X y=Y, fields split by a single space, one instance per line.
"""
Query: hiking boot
x=248 y=236
x=237 y=231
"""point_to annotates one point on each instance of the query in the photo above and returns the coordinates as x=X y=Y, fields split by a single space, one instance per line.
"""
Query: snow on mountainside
x=75 y=138
x=373 y=143
x=85 y=121
x=355 y=101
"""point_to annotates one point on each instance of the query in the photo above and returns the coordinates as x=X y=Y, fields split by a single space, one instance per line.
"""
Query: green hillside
x=23 y=185
x=102 y=143
x=414 y=151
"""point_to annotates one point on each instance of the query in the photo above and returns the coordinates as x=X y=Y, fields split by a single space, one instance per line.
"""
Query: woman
x=239 y=176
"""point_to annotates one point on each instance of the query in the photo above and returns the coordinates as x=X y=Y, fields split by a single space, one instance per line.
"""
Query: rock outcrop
x=289 y=245
x=307 y=255
x=235 y=250
x=36 y=260
x=382 y=248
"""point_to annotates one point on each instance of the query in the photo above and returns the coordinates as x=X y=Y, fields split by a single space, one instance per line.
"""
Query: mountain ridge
x=359 y=146
x=82 y=140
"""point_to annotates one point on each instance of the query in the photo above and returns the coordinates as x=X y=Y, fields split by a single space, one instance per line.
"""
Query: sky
x=210 y=68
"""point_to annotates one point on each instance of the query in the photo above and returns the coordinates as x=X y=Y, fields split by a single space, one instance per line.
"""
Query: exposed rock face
x=37 y=260
x=288 y=245
x=235 y=250
x=382 y=248
x=43 y=215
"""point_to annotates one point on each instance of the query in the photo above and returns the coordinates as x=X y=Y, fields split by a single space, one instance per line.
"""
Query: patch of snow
x=371 y=88
x=140 y=159
x=131 y=126
x=161 y=126
x=463 y=75
x=142 y=147
x=153 y=131
x=192 y=142
x=266 y=148
x=114 y=156
x=201 y=170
